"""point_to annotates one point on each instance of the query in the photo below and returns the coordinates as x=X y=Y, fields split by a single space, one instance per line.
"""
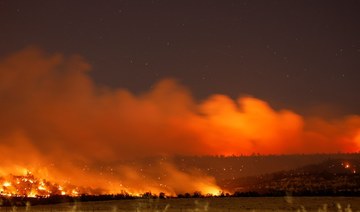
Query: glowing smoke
x=53 y=118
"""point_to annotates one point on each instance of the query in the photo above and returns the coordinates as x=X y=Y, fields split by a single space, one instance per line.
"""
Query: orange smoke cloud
x=53 y=113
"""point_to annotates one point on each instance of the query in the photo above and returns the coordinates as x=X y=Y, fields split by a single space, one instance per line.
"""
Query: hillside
x=331 y=177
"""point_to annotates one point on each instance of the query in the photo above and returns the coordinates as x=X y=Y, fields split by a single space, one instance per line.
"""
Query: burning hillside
x=29 y=186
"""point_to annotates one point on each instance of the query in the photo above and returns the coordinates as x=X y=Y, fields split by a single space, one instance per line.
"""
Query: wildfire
x=30 y=186
x=49 y=104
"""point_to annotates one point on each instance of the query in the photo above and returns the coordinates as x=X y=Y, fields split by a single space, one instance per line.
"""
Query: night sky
x=302 y=55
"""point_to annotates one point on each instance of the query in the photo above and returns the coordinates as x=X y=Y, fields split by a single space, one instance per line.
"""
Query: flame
x=60 y=125
x=28 y=186
x=346 y=165
x=6 y=184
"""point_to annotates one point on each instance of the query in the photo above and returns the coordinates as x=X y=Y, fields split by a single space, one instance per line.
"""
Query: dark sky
x=300 y=55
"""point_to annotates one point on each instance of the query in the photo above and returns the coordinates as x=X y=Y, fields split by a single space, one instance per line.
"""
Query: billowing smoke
x=56 y=121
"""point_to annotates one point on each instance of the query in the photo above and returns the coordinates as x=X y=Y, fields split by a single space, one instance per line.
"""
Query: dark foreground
x=206 y=204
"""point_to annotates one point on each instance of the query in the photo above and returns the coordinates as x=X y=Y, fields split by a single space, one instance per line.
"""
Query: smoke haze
x=55 y=121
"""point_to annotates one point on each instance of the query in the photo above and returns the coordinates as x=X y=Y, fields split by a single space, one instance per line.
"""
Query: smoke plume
x=54 y=120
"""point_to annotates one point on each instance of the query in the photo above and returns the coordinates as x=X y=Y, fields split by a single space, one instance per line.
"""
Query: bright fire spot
x=31 y=194
x=74 y=193
x=212 y=190
x=6 y=184
x=346 y=165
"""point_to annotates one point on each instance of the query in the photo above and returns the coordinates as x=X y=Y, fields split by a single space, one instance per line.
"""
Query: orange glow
x=59 y=124
x=27 y=186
